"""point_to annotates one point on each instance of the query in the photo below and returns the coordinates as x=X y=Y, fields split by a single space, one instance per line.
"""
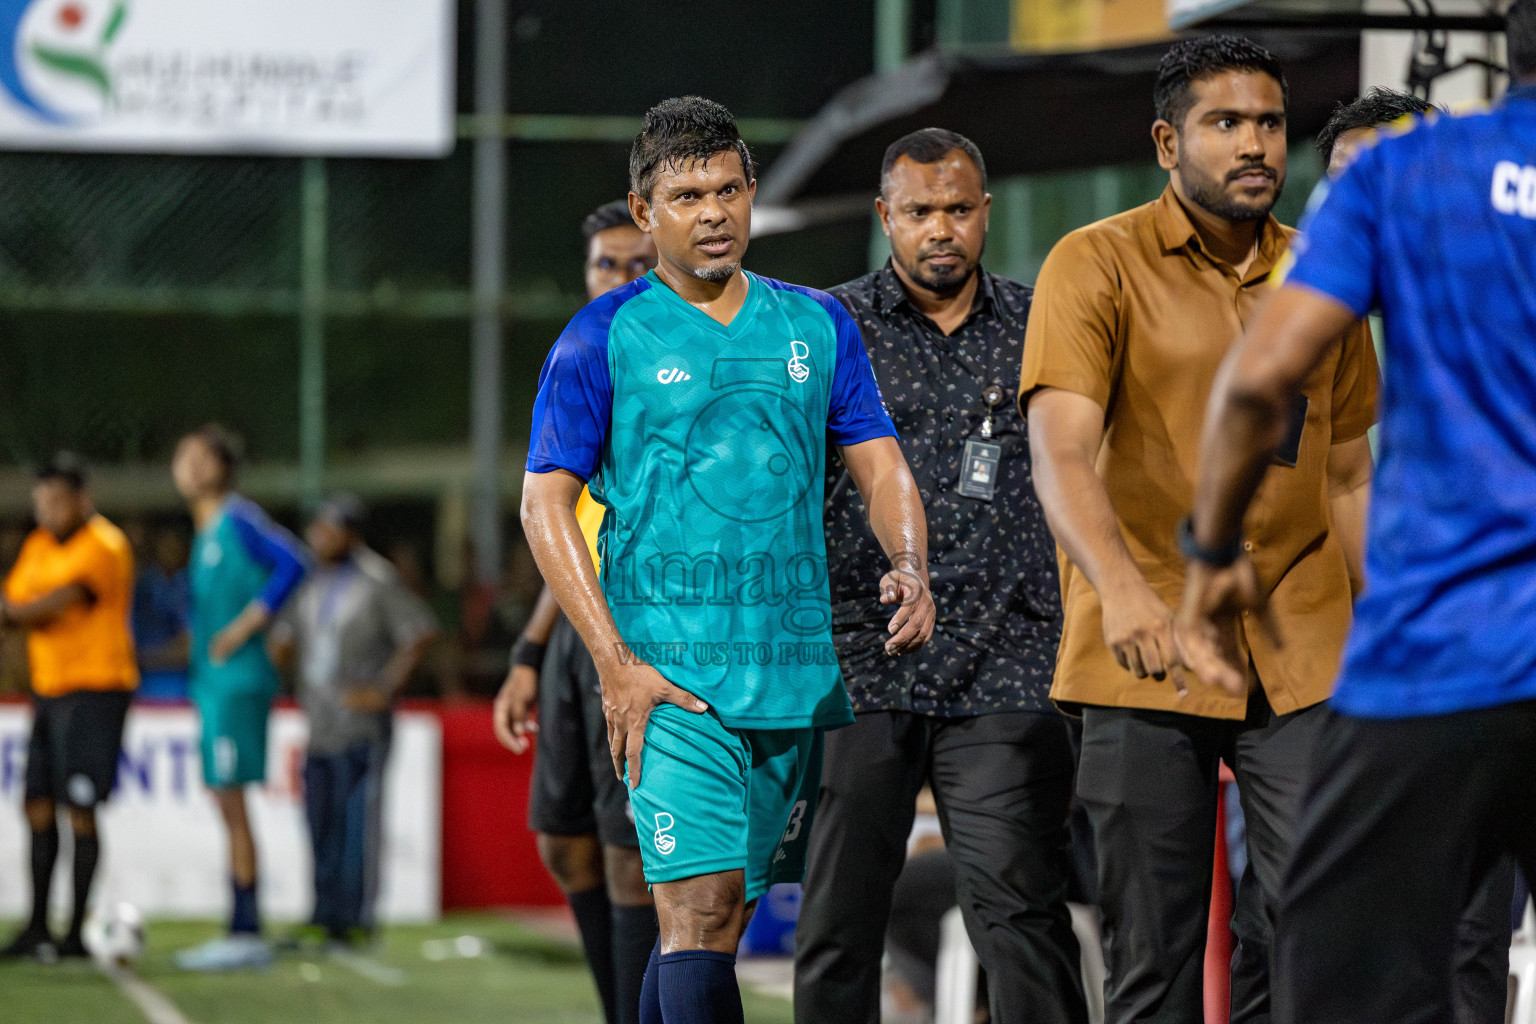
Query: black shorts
x=574 y=790
x=76 y=739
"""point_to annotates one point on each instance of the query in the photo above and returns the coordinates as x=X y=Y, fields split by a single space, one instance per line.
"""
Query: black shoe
x=35 y=943
x=73 y=948
x=355 y=938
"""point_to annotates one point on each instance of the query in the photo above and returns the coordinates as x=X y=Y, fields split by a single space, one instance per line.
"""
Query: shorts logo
x=672 y=376
x=665 y=842
x=226 y=758
x=799 y=351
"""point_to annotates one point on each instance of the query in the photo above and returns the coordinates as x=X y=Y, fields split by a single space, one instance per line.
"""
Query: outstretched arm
x=880 y=472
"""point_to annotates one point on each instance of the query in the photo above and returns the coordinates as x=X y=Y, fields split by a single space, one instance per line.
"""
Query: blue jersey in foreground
x=1438 y=227
x=707 y=443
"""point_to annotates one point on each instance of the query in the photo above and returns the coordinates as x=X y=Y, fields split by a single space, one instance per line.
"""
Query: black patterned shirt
x=992 y=565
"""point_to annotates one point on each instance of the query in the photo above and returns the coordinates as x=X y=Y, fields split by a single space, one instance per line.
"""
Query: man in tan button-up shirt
x=1132 y=318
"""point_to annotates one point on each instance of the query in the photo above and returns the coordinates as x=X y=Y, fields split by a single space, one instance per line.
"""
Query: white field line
x=367 y=967
x=156 y=1007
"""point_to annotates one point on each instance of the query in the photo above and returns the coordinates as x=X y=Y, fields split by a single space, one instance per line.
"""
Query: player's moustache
x=1249 y=168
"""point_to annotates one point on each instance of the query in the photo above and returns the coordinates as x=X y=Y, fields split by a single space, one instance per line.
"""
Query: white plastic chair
x=954 y=999
x=1522 y=969
x=955 y=986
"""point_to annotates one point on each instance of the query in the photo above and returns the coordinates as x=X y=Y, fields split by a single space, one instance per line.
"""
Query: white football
x=114 y=934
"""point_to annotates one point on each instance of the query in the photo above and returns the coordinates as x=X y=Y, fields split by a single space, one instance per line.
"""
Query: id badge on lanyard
x=983 y=457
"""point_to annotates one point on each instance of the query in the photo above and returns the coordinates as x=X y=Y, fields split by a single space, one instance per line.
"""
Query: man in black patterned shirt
x=970 y=713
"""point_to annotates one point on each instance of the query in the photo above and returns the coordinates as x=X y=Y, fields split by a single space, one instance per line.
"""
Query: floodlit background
x=348 y=229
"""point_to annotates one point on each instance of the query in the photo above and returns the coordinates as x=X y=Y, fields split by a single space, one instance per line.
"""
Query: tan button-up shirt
x=1136 y=314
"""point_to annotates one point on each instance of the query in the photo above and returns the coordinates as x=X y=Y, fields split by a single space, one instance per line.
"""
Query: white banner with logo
x=339 y=77
x=163 y=847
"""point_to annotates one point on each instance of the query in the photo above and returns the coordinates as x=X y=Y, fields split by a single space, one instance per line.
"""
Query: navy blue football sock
x=45 y=852
x=244 y=918
x=87 y=853
x=634 y=945
x=650 y=989
x=699 y=987
x=594 y=923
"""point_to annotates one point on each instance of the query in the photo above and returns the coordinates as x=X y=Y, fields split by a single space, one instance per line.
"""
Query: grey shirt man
x=346 y=623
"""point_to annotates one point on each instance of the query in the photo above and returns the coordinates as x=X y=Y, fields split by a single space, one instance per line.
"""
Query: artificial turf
x=517 y=976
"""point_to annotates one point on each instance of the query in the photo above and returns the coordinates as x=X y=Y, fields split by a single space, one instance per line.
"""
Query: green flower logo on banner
x=53 y=55
x=88 y=65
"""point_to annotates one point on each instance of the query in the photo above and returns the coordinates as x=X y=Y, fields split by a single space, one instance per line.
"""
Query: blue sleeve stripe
x=856 y=409
x=867 y=432
x=273 y=548
x=573 y=409
x=553 y=462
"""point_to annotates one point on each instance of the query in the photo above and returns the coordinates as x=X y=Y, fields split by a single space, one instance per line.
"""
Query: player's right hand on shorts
x=1138 y=630
x=515 y=702
x=630 y=693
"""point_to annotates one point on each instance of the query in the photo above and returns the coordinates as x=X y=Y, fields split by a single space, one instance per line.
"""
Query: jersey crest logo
x=665 y=841
x=799 y=351
x=673 y=375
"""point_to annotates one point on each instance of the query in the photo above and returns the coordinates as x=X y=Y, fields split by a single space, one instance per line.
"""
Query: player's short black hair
x=1190 y=60
x=1520 y=38
x=1377 y=107
x=929 y=146
x=678 y=132
x=64 y=467
x=225 y=445
x=609 y=215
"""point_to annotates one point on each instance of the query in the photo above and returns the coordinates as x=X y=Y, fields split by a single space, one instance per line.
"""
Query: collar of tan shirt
x=1176 y=232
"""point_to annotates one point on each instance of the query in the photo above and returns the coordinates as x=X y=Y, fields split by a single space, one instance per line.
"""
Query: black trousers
x=1402 y=821
x=1149 y=782
x=1003 y=784
x=1481 y=959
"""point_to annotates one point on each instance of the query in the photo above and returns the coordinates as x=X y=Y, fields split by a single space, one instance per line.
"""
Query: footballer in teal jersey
x=698 y=404
x=242 y=568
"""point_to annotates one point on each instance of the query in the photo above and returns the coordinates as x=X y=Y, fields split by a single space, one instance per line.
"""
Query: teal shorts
x=712 y=798
x=234 y=737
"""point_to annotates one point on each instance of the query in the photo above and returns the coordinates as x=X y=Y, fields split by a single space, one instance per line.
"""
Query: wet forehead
x=717 y=171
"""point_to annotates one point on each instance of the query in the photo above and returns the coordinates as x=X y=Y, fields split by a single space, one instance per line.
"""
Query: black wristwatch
x=1190 y=548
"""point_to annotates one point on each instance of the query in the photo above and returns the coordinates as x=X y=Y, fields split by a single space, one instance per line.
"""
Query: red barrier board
x=489 y=857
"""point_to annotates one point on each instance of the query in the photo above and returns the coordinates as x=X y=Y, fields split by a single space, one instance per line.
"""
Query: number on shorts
x=796 y=820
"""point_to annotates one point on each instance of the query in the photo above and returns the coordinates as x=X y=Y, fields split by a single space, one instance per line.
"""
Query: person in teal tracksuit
x=243 y=568
x=698 y=403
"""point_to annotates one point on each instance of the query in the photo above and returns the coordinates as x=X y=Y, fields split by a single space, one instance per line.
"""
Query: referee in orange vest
x=70 y=589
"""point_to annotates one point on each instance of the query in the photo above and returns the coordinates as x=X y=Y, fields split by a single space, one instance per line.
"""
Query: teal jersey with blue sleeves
x=238 y=556
x=707 y=443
